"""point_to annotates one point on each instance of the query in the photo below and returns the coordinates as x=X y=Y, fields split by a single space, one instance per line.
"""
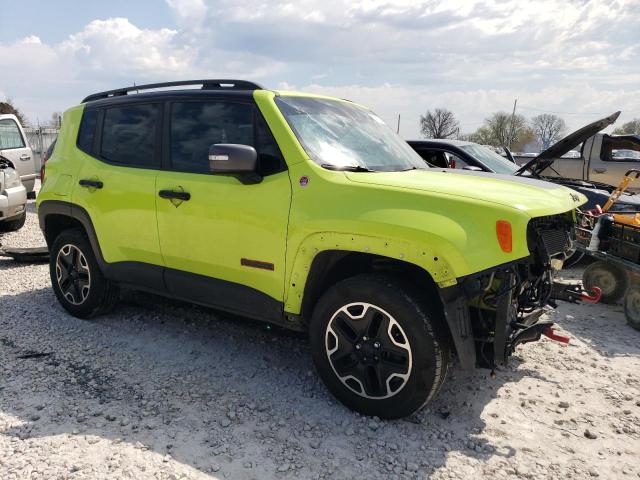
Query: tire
x=632 y=306
x=609 y=277
x=13 y=225
x=393 y=364
x=76 y=277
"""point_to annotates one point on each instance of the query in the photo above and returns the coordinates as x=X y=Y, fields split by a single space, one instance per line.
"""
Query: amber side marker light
x=503 y=232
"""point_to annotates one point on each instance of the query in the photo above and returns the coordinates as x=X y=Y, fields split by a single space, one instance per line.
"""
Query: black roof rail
x=206 y=85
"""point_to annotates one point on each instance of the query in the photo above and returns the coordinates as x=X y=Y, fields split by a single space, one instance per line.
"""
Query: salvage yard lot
x=164 y=390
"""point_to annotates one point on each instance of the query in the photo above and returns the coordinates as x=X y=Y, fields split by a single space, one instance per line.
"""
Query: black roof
x=218 y=85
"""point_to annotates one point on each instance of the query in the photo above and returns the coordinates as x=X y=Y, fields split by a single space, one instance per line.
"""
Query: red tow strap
x=551 y=334
x=595 y=297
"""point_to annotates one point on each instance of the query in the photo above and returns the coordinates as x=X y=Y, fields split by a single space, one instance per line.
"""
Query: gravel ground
x=164 y=390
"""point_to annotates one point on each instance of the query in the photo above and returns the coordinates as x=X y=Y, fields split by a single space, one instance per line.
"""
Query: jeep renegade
x=307 y=212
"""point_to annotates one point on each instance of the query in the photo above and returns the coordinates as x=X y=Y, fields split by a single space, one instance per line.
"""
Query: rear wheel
x=13 y=225
x=610 y=278
x=76 y=278
x=377 y=348
x=632 y=306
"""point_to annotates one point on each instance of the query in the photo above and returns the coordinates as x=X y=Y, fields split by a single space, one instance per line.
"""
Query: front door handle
x=599 y=170
x=90 y=183
x=24 y=157
x=174 y=194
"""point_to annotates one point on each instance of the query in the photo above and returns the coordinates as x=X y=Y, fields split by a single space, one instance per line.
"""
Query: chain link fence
x=40 y=139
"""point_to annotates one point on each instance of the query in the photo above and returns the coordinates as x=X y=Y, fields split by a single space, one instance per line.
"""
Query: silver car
x=13 y=198
x=14 y=146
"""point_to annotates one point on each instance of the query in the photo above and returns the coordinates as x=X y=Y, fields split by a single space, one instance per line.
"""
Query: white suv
x=14 y=146
x=13 y=198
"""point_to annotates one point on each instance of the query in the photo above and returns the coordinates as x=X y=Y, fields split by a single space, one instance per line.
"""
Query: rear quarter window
x=87 y=130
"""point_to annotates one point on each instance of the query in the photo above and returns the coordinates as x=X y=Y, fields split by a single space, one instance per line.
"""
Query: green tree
x=629 y=128
x=8 y=108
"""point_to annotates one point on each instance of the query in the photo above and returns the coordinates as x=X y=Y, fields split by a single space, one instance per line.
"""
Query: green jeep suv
x=307 y=212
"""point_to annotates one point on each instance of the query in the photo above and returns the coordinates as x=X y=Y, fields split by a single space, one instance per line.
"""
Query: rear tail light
x=504 y=234
x=45 y=157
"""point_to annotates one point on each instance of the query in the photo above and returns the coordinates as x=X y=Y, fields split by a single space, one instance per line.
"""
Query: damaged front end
x=490 y=313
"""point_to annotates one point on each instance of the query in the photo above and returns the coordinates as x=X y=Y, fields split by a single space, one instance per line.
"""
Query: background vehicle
x=13 y=198
x=624 y=154
x=307 y=212
x=551 y=165
x=616 y=269
x=13 y=146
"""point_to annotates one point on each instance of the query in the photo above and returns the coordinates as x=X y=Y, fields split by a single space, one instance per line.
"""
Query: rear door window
x=10 y=136
x=130 y=135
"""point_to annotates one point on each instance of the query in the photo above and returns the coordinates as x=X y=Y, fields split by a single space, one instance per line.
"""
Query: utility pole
x=398 y=129
x=512 y=128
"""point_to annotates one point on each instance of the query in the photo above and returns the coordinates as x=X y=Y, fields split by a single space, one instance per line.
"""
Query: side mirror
x=234 y=159
x=473 y=169
x=509 y=154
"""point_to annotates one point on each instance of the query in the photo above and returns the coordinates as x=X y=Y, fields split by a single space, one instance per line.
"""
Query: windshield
x=342 y=135
x=491 y=159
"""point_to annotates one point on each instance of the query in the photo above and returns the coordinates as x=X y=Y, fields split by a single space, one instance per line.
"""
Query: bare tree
x=548 y=128
x=441 y=123
x=629 y=128
x=56 y=119
x=506 y=129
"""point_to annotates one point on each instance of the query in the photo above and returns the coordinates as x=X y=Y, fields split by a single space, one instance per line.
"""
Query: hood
x=546 y=158
x=535 y=197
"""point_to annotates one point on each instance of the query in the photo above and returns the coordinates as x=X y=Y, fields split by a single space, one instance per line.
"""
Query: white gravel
x=164 y=390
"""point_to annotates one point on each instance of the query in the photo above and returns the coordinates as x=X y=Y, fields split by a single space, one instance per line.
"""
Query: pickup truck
x=603 y=158
x=599 y=160
x=14 y=147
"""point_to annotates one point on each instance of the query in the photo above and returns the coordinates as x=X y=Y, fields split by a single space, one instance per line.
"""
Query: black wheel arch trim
x=68 y=209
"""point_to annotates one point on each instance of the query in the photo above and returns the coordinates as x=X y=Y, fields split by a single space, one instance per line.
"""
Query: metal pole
x=398 y=129
x=512 y=131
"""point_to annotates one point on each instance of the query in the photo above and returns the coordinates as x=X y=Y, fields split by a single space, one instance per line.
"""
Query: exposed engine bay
x=506 y=303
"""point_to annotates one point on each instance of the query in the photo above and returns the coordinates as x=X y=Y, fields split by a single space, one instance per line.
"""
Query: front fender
x=437 y=257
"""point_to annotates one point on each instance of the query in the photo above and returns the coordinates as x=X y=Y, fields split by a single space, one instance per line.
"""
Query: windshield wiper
x=346 y=168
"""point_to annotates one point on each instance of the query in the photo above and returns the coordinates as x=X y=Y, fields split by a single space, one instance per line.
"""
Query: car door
x=13 y=145
x=606 y=167
x=119 y=150
x=224 y=245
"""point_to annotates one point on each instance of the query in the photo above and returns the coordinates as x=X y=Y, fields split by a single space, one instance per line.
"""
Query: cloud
x=399 y=57
x=188 y=10
x=117 y=44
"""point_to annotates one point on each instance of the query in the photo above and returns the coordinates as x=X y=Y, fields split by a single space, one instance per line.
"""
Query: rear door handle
x=24 y=157
x=90 y=183
x=174 y=194
x=599 y=170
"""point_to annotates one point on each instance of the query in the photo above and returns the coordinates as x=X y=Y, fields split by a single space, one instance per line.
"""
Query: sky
x=580 y=59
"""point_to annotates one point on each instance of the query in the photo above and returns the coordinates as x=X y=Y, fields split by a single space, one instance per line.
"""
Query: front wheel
x=379 y=349
x=76 y=277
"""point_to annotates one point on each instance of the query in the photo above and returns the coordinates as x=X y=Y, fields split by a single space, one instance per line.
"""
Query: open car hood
x=546 y=158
